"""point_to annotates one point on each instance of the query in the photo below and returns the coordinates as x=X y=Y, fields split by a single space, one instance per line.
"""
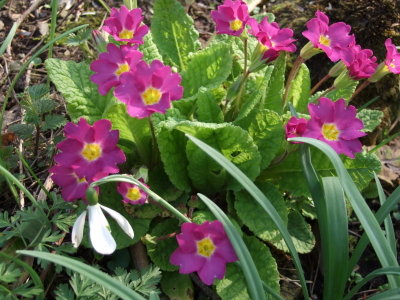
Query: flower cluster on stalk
x=144 y=89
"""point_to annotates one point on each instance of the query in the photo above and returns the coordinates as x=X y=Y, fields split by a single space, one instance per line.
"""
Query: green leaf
x=162 y=250
x=301 y=234
x=233 y=286
x=265 y=128
x=173 y=32
x=63 y=292
x=236 y=145
x=38 y=91
x=200 y=216
x=208 y=68
x=134 y=130
x=177 y=286
x=289 y=174
x=300 y=90
x=23 y=131
x=54 y=122
x=9 y=273
x=208 y=109
x=45 y=105
x=257 y=219
x=345 y=93
x=371 y=118
x=276 y=88
x=72 y=80
x=149 y=49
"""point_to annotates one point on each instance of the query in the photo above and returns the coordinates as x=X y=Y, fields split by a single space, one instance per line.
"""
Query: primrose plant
x=170 y=120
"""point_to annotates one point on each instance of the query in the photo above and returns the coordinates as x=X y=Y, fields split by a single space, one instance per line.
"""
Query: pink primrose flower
x=90 y=150
x=204 y=249
x=336 y=125
x=132 y=194
x=272 y=38
x=73 y=186
x=112 y=64
x=231 y=17
x=330 y=39
x=392 y=60
x=124 y=25
x=150 y=89
x=295 y=128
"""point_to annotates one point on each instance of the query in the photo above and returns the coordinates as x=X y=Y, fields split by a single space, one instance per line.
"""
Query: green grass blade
x=153 y=296
x=370 y=276
x=261 y=199
x=390 y=203
x=364 y=214
x=10 y=36
x=387 y=295
x=115 y=286
x=390 y=236
x=337 y=239
x=35 y=277
x=254 y=282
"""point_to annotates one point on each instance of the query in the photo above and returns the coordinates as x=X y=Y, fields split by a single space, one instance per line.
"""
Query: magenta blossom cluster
x=272 y=38
x=332 y=123
x=330 y=39
x=204 y=249
x=88 y=154
x=144 y=89
x=231 y=17
x=131 y=193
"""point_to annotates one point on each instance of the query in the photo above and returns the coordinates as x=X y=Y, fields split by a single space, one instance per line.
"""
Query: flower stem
x=292 y=75
x=155 y=148
x=239 y=98
x=361 y=87
x=319 y=83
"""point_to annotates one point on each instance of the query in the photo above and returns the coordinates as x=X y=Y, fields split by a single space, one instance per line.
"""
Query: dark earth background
x=372 y=22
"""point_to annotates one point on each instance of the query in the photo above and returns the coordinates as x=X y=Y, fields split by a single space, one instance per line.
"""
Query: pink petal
x=188 y=262
x=215 y=267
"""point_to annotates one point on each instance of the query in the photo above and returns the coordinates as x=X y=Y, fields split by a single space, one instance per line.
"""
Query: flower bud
x=99 y=41
x=91 y=196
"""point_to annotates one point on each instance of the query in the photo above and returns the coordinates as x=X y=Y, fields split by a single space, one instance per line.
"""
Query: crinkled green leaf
x=132 y=130
x=177 y=286
x=345 y=93
x=45 y=105
x=54 y=121
x=161 y=185
x=235 y=144
x=265 y=127
x=233 y=286
x=290 y=177
x=300 y=90
x=207 y=107
x=371 y=118
x=208 y=68
x=23 y=131
x=300 y=231
x=83 y=99
x=276 y=88
x=173 y=32
x=38 y=91
x=255 y=217
x=149 y=49
x=162 y=250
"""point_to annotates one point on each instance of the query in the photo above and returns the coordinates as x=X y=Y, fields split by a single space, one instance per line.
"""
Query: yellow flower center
x=236 y=25
x=264 y=48
x=330 y=132
x=91 y=151
x=205 y=247
x=80 y=180
x=122 y=69
x=324 y=40
x=151 y=96
x=133 y=194
x=126 y=35
x=392 y=64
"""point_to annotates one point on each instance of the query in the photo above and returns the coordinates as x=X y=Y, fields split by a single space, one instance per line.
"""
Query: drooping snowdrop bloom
x=124 y=25
x=272 y=38
x=90 y=150
x=204 y=249
x=231 y=17
x=330 y=39
x=73 y=186
x=99 y=228
x=150 y=89
x=112 y=64
x=391 y=63
x=295 y=128
x=132 y=194
x=336 y=125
